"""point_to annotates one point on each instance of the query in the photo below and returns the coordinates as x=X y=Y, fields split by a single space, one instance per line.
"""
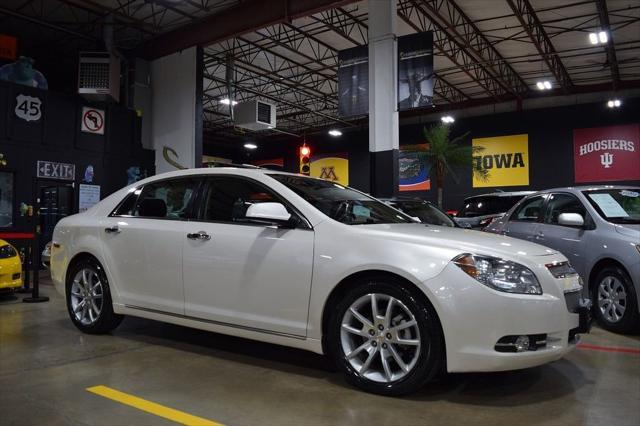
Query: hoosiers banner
x=506 y=158
x=605 y=154
x=333 y=167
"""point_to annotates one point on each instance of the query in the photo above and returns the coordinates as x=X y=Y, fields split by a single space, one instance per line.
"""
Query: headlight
x=499 y=274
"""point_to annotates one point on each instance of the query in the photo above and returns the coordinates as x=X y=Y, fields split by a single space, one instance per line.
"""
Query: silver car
x=598 y=229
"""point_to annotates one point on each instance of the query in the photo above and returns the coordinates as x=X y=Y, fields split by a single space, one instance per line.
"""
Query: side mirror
x=268 y=212
x=570 y=219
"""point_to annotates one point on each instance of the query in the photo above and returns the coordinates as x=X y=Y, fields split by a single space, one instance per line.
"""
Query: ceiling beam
x=469 y=38
x=249 y=16
x=538 y=35
x=601 y=5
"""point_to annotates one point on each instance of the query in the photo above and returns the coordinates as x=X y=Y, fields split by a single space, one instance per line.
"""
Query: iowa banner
x=605 y=154
x=506 y=158
x=333 y=167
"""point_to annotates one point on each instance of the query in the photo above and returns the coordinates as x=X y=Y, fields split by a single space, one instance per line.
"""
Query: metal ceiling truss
x=415 y=14
x=536 y=31
x=612 y=59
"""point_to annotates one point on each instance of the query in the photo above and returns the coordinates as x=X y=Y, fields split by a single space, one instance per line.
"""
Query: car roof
x=502 y=194
x=581 y=188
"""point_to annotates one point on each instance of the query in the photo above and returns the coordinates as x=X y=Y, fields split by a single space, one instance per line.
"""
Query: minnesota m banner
x=506 y=158
x=333 y=167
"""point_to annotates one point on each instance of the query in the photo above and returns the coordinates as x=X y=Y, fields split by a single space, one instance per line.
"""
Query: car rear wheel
x=615 y=300
x=89 y=299
x=384 y=338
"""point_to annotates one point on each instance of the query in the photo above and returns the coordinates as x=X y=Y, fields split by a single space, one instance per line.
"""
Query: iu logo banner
x=605 y=154
x=333 y=167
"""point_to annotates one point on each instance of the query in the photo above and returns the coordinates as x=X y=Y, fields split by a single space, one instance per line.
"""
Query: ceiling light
x=540 y=85
x=227 y=101
x=447 y=119
x=544 y=85
x=335 y=132
x=593 y=38
x=547 y=84
x=602 y=36
x=250 y=146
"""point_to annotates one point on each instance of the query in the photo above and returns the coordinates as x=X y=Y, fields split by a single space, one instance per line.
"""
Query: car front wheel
x=89 y=299
x=385 y=339
x=615 y=300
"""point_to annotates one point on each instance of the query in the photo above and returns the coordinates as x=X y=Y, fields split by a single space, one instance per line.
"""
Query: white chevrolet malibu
x=312 y=264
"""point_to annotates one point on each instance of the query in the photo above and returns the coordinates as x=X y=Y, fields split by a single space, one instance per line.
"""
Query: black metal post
x=35 y=264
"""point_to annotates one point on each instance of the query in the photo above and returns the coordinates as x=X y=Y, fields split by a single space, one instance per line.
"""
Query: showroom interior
x=505 y=125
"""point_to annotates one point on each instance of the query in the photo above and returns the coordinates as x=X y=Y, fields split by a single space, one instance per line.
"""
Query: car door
x=243 y=273
x=525 y=220
x=142 y=244
x=566 y=239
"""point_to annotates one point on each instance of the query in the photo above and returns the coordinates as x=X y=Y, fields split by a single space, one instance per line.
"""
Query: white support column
x=383 y=97
x=176 y=109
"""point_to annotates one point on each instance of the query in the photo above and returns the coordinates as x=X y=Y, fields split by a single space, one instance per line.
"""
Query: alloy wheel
x=380 y=338
x=86 y=296
x=612 y=299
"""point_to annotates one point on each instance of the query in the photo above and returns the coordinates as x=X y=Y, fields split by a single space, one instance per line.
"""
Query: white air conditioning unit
x=254 y=115
x=99 y=76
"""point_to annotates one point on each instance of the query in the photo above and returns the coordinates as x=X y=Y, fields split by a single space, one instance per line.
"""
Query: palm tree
x=444 y=155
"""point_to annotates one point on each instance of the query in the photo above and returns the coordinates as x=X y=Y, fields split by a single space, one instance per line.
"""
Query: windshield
x=426 y=212
x=616 y=205
x=340 y=202
x=491 y=204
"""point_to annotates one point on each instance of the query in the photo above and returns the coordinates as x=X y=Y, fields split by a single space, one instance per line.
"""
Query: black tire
x=430 y=356
x=630 y=320
x=107 y=320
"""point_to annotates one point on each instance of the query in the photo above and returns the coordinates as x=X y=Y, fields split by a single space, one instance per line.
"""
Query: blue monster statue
x=22 y=72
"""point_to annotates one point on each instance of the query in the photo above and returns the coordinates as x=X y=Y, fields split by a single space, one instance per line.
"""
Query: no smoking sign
x=92 y=121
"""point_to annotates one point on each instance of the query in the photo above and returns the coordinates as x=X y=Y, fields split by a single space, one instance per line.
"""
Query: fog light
x=522 y=344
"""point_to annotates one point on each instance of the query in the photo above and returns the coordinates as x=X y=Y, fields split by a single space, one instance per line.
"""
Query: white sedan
x=311 y=264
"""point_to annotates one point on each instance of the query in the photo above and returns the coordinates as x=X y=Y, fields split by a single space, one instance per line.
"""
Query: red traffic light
x=305 y=151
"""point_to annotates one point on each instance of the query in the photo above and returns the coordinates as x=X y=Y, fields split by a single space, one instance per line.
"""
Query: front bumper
x=475 y=318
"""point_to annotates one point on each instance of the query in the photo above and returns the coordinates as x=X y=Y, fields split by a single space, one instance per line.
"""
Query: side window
x=530 y=210
x=167 y=199
x=227 y=199
x=562 y=203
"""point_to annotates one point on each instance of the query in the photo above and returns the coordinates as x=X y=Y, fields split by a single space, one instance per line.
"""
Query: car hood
x=464 y=240
x=632 y=231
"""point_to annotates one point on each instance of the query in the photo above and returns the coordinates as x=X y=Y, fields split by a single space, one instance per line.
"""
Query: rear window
x=481 y=206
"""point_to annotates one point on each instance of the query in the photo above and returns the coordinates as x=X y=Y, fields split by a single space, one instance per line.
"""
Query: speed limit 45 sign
x=28 y=108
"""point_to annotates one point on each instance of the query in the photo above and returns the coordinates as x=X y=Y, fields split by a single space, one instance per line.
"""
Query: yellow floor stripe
x=151 y=407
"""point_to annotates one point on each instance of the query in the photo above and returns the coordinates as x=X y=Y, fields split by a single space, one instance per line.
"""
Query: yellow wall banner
x=333 y=167
x=506 y=158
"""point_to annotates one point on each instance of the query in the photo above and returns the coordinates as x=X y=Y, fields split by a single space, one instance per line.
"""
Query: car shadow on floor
x=503 y=389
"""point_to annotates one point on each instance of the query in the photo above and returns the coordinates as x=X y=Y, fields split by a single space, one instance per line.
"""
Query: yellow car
x=10 y=267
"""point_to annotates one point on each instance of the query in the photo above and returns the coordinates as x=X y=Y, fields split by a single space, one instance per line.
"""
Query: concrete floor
x=46 y=366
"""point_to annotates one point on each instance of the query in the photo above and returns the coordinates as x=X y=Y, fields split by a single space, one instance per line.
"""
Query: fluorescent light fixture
x=593 y=38
x=547 y=84
x=602 y=36
x=447 y=119
x=540 y=85
x=250 y=146
x=227 y=101
x=335 y=133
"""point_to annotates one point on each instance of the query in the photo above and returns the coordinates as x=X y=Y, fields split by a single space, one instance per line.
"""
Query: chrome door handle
x=112 y=230
x=200 y=235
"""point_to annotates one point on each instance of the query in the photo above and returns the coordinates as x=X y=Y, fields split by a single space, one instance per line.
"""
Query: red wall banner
x=606 y=154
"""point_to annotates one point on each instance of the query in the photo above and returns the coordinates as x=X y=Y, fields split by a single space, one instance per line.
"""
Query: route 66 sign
x=28 y=108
